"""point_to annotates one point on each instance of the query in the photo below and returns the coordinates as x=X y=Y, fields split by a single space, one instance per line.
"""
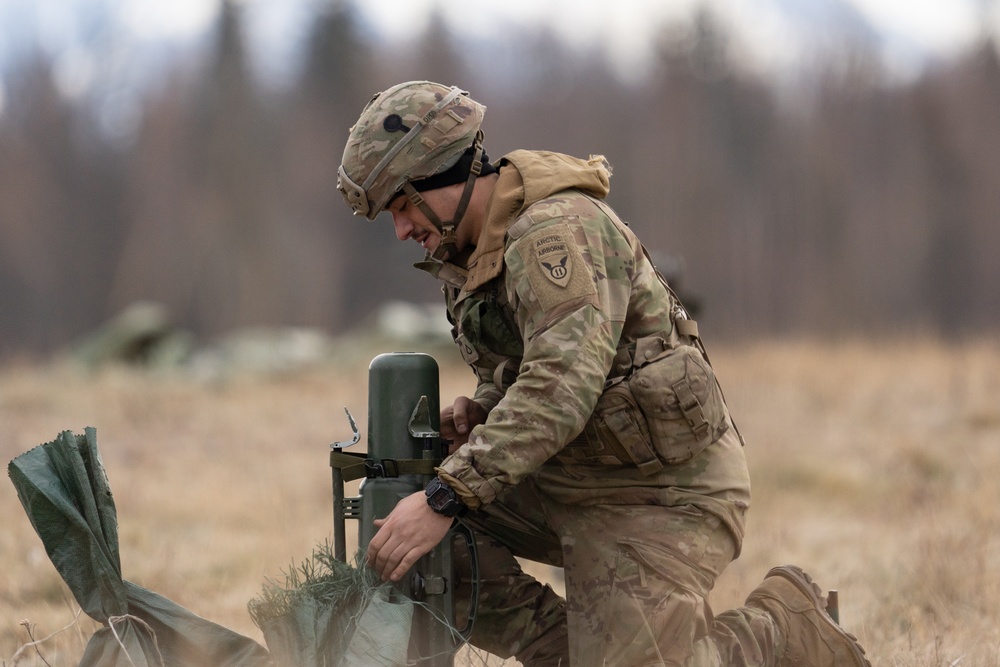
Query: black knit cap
x=457 y=173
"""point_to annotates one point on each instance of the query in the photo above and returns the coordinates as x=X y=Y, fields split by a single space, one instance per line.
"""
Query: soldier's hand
x=458 y=420
x=411 y=530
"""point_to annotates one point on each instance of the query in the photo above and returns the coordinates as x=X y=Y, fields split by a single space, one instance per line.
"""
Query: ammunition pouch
x=664 y=413
x=616 y=434
x=677 y=393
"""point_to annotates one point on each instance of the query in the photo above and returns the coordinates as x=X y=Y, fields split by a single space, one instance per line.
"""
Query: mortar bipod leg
x=337 y=481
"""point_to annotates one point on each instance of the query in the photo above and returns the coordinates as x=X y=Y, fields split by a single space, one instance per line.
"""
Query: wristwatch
x=442 y=499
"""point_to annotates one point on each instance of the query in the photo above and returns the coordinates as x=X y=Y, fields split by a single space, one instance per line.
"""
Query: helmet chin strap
x=448 y=245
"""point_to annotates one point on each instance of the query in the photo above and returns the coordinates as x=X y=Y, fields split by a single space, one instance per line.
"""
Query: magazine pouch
x=676 y=390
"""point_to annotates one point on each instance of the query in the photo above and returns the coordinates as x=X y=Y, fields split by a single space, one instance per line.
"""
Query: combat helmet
x=408 y=134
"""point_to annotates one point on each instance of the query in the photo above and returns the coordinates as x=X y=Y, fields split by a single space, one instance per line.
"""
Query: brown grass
x=873 y=468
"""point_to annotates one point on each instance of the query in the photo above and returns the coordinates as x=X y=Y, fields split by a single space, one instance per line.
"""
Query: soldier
x=597 y=439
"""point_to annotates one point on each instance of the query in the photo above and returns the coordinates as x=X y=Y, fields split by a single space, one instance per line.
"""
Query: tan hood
x=525 y=178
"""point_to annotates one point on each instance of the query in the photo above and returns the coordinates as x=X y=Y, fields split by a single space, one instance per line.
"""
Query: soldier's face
x=411 y=223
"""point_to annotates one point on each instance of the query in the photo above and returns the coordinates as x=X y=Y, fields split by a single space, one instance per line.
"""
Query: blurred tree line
x=839 y=203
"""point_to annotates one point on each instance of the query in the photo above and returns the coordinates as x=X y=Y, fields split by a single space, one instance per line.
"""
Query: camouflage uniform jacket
x=548 y=310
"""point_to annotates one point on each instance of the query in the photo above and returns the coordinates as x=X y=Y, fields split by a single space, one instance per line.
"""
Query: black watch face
x=442 y=499
x=438 y=500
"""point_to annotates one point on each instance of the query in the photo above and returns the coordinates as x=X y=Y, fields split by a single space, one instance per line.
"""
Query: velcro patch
x=553 y=254
x=555 y=266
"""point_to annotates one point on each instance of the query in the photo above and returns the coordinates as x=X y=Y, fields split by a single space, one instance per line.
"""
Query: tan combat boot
x=812 y=639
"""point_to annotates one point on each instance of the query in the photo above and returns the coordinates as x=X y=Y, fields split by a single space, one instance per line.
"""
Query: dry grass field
x=874 y=468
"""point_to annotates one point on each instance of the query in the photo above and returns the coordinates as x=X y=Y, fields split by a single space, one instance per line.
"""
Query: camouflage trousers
x=637 y=579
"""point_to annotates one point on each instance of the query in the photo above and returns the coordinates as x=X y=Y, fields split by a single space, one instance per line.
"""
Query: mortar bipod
x=339 y=510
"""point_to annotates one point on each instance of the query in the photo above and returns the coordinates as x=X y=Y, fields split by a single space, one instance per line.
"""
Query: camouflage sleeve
x=487 y=395
x=569 y=281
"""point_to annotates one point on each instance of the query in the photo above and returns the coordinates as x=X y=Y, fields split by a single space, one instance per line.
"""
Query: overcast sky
x=908 y=30
x=908 y=27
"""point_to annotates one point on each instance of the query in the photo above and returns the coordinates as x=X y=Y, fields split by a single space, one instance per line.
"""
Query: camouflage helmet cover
x=408 y=132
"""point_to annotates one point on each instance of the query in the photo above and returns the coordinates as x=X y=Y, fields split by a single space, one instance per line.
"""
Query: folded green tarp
x=65 y=492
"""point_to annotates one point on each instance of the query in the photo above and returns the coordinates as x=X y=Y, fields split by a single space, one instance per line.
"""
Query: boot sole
x=804 y=583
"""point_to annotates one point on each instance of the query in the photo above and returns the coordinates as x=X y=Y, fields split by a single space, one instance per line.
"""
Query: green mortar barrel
x=404 y=415
x=396 y=383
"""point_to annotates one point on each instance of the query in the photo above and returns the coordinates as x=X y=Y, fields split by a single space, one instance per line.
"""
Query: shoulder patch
x=554 y=265
x=552 y=252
